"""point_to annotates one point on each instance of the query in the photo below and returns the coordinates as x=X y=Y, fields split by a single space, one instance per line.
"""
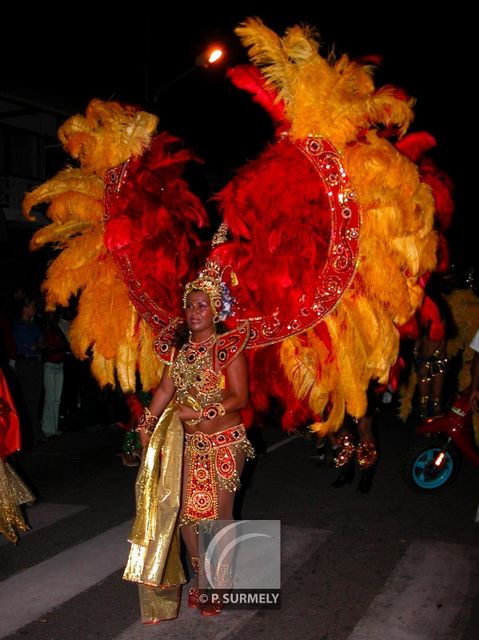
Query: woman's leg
x=423 y=385
x=226 y=497
x=190 y=538
x=224 y=565
x=188 y=533
x=222 y=568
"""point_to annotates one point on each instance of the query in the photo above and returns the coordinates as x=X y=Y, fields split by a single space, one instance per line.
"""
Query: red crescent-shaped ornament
x=342 y=257
x=335 y=277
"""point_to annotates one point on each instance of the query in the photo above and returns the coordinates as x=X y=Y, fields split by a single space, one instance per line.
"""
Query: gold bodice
x=194 y=376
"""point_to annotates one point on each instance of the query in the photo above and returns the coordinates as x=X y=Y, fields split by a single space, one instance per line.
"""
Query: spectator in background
x=70 y=404
x=55 y=347
x=8 y=350
x=29 y=342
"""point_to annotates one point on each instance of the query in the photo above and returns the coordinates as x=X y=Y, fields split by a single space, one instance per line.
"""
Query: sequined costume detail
x=211 y=466
x=193 y=374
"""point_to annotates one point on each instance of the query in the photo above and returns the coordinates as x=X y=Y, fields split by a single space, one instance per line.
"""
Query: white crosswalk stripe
x=45 y=514
x=49 y=584
x=54 y=581
x=428 y=589
x=297 y=544
x=423 y=596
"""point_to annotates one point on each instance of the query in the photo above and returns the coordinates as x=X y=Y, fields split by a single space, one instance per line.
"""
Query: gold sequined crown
x=209 y=281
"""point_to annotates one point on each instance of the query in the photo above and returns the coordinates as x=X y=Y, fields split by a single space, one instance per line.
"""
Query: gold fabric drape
x=154 y=559
x=13 y=493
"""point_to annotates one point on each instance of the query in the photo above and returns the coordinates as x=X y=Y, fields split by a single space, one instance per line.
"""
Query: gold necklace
x=203 y=344
x=193 y=374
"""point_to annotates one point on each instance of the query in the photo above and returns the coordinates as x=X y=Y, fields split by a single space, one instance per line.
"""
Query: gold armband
x=146 y=422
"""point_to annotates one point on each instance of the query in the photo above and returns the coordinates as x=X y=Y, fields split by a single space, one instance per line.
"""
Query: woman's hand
x=187 y=413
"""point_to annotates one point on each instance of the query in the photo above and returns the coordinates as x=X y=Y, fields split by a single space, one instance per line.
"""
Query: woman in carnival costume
x=330 y=232
x=202 y=393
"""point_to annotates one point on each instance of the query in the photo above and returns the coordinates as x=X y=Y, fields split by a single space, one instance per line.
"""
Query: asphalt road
x=388 y=564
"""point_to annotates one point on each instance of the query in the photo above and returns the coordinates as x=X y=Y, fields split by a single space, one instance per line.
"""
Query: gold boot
x=423 y=407
x=345 y=450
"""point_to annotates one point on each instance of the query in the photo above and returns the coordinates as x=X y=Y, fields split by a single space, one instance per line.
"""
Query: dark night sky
x=75 y=55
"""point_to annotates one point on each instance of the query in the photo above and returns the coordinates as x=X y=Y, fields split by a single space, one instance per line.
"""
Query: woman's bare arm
x=164 y=392
x=236 y=396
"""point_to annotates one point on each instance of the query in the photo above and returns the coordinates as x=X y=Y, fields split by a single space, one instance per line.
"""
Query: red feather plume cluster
x=278 y=214
x=156 y=221
x=250 y=79
x=415 y=146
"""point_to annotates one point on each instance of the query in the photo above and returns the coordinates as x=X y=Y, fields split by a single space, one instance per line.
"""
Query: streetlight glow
x=210 y=56
x=215 y=55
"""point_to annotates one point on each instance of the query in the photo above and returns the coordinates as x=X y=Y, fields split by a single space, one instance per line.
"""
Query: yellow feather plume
x=337 y=99
x=107 y=328
x=464 y=305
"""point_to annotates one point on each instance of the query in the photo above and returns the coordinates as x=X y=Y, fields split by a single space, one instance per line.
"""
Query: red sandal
x=194 y=598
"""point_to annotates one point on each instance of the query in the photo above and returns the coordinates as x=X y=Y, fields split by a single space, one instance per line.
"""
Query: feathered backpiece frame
x=331 y=231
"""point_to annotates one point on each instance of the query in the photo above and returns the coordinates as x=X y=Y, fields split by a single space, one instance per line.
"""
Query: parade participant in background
x=131 y=454
x=13 y=491
x=430 y=351
x=474 y=394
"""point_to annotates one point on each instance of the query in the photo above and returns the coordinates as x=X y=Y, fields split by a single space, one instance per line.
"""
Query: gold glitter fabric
x=154 y=559
x=13 y=493
x=211 y=465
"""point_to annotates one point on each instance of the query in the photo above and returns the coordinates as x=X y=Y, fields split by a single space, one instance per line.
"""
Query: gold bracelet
x=146 y=422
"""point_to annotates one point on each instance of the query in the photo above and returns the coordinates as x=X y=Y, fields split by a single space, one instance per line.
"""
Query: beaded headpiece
x=210 y=280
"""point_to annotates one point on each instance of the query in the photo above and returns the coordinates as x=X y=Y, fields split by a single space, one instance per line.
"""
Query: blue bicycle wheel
x=423 y=474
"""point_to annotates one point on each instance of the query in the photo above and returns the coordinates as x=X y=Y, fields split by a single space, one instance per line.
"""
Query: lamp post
x=209 y=57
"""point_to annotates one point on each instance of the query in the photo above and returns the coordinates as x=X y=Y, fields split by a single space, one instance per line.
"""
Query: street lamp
x=209 y=57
